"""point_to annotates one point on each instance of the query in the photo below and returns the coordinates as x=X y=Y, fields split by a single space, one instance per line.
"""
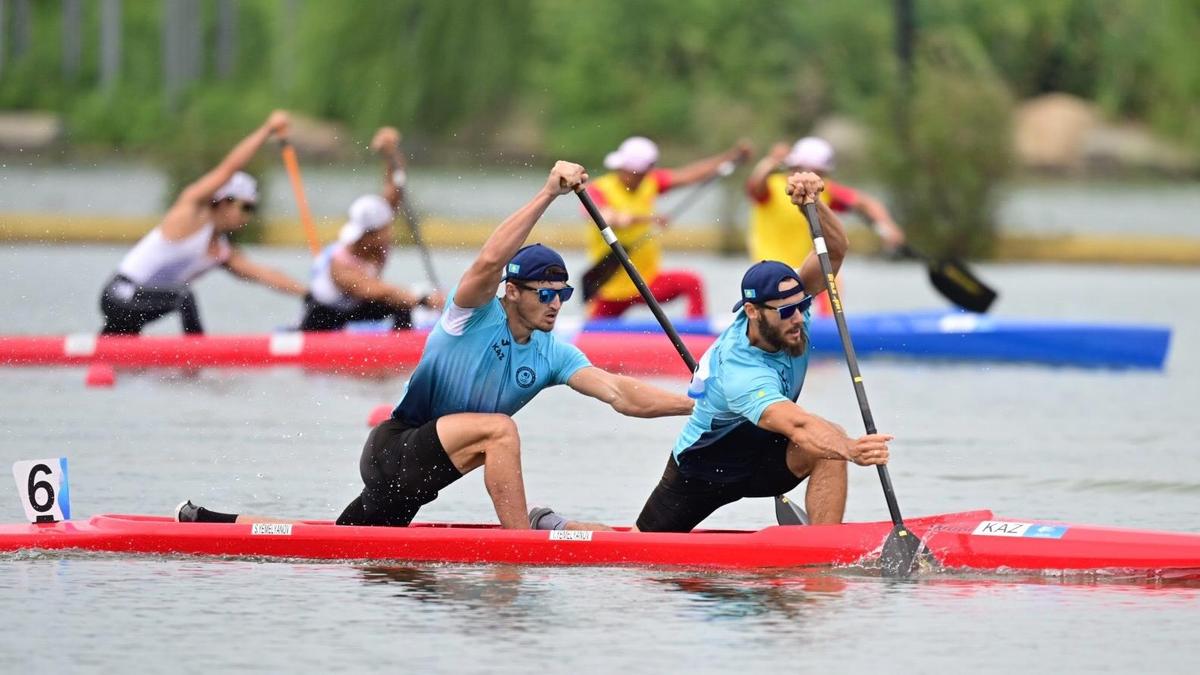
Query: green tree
x=943 y=176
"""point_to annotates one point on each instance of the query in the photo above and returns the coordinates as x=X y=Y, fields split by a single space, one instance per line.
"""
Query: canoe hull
x=958 y=540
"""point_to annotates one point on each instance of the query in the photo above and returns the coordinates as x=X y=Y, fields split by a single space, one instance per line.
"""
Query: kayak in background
x=629 y=346
x=961 y=336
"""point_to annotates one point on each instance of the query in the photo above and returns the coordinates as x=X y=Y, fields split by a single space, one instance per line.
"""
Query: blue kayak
x=962 y=336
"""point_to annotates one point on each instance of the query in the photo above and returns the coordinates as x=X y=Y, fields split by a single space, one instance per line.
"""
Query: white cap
x=811 y=152
x=367 y=214
x=636 y=154
x=241 y=186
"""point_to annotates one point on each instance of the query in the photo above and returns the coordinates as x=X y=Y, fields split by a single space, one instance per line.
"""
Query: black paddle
x=781 y=503
x=955 y=281
x=602 y=271
x=414 y=226
x=901 y=548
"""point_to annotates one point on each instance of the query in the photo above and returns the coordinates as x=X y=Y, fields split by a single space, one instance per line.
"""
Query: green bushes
x=945 y=158
x=593 y=72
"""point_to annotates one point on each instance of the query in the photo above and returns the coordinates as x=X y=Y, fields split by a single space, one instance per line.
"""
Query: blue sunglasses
x=788 y=311
x=546 y=295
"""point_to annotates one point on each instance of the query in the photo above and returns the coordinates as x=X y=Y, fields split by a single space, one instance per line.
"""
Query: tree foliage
x=952 y=150
x=588 y=74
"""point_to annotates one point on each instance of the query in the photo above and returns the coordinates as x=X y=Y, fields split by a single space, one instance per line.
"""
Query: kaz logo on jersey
x=497 y=348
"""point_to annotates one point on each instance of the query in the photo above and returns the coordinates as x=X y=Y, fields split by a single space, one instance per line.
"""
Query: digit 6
x=45 y=486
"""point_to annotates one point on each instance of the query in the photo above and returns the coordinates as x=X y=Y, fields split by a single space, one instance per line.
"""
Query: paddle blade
x=788 y=512
x=900 y=553
x=960 y=286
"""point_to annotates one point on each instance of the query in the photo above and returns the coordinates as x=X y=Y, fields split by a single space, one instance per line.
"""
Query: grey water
x=1090 y=446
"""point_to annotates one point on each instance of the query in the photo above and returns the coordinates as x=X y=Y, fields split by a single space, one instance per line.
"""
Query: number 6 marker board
x=42 y=485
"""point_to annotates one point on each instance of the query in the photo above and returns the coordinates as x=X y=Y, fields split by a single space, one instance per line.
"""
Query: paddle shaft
x=292 y=165
x=414 y=225
x=611 y=238
x=814 y=225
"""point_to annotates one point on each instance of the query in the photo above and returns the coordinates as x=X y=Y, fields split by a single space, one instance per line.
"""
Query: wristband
x=399 y=177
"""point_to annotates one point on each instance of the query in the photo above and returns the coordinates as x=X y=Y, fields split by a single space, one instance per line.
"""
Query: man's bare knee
x=501 y=427
x=502 y=435
x=470 y=438
x=800 y=463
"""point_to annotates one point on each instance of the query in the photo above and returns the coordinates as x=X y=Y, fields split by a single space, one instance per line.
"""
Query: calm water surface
x=1107 y=447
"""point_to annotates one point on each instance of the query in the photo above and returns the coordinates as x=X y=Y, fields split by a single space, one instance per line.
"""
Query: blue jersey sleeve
x=457 y=321
x=750 y=386
x=567 y=360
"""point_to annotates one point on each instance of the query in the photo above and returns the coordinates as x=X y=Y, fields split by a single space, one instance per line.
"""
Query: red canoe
x=345 y=352
x=973 y=540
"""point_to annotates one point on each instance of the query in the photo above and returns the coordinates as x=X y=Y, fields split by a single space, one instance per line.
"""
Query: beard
x=777 y=340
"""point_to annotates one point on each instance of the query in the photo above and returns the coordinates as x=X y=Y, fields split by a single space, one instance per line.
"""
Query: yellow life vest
x=778 y=230
x=638 y=239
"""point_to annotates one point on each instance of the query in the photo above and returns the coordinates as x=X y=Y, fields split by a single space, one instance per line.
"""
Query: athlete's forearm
x=756 y=182
x=872 y=210
x=704 y=169
x=881 y=221
x=820 y=438
x=267 y=276
x=510 y=236
x=378 y=291
x=281 y=282
x=834 y=233
x=244 y=151
x=241 y=154
x=395 y=177
x=478 y=283
x=813 y=434
x=638 y=399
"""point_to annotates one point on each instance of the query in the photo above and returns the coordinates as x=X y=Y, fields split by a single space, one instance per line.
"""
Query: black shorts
x=128 y=306
x=686 y=495
x=318 y=317
x=402 y=468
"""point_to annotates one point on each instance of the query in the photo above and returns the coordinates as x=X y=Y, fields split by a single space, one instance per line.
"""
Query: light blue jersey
x=471 y=363
x=733 y=386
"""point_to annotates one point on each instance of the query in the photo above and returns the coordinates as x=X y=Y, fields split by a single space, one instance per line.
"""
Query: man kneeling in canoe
x=747 y=436
x=486 y=358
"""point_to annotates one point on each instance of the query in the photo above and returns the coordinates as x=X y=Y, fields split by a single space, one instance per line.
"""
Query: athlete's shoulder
x=664 y=179
x=732 y=350
x=457 y=321
x=733 y=335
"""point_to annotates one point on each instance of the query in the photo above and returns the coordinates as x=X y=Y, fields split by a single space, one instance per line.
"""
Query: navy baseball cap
x=761 y=282
x=536 y=263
